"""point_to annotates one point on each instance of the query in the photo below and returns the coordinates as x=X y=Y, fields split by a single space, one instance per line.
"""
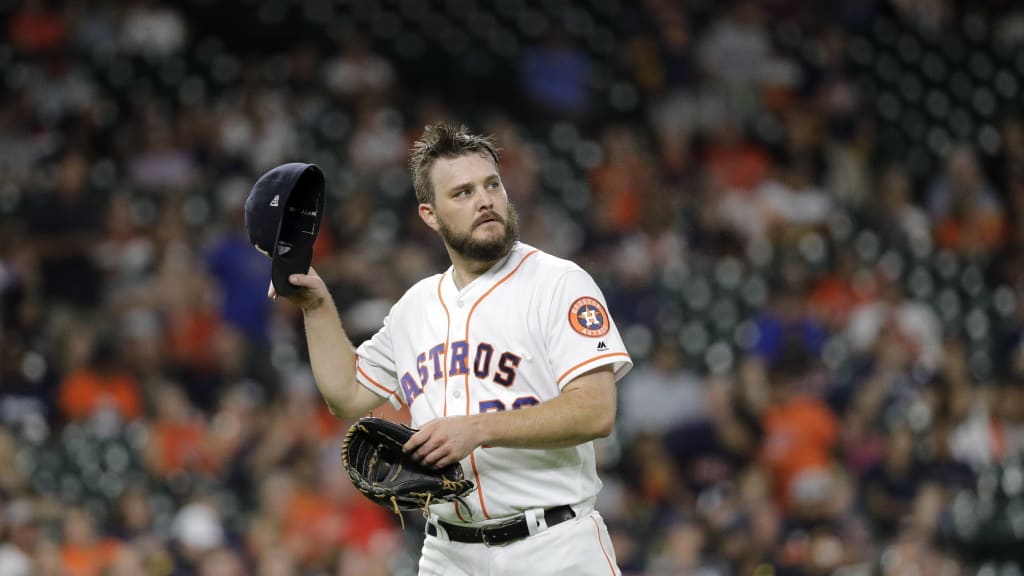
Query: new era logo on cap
x=282 y=215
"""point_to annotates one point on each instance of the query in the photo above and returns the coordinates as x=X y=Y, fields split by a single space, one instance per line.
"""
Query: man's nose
x=485 y=200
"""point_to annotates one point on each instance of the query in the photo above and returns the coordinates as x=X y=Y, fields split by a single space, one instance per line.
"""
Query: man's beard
x=483 y=250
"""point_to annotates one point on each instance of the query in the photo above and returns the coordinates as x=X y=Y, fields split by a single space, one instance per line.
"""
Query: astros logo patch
x=587 y=317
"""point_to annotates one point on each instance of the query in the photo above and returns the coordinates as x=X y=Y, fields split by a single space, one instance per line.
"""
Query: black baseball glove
x=372 y=455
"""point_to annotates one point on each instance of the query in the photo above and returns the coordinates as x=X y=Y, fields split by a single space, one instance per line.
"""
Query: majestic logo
x=276 y=200
x=588 y=317
x=601 y=346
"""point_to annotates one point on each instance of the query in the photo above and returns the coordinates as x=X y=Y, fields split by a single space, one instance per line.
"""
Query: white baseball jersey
x=510 y=339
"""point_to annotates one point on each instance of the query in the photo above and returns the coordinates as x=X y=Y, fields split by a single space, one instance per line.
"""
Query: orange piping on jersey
x=479 y=492
x=375 y=383
x=601 y=542
x=585 y=362
x=447 y=337
x=472 y=458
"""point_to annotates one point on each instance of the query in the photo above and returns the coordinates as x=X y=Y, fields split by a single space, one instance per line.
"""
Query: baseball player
x=507 y=361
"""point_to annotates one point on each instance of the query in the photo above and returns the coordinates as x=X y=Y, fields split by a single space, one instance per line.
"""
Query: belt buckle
x=485 y=531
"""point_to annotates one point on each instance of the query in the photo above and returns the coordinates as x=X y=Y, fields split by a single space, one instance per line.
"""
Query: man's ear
x=429 y=217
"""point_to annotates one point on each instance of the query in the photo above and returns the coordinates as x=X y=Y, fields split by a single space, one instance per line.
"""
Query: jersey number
x=499 y=406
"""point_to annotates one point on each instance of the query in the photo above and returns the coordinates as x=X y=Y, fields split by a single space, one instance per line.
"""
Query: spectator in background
x=12 y=481
x=793 y=203
x=914 y=323
x=620 y=183
x=65 y=224
x=378 y=142
x=1009 y=168
x=358 y=74
x=803 y=140
x=161 y=165
x=83 y=551
x=364 y=528
x=832 y=84
x=132 y=520
x=556 y=75
x=221 y=561
x=309 y=515
x=898 y=220
x=192 y=327
x=19 y=528
x=62 y=88
x=664 y=65
x=20 y=147
x=36 y=28
x=240 y=271
x=47 y=558
x=638 y=298
x=736 y=48
x=235 y=432
x=96 y=28
x=27 y=384
x=661 y=395
x=966 y=213
x=255 y=127
x=1009 y=407
x=837 y=292
x=197 y=531
x=890 y=487
x=930 y=17
x=678 y=172
x=800 y=432
x=979 y=439
x=851 y=170
x=292 y=430
x=684 y=550
x=101 y=387
x=127 y=561
x=178 y=438
x=723 y=221
x=737 y=53
x=152 y=29
x=733 y=159
x=142 y=348
x=788 y=315
x=946 y=475
x=713 y=449
x=660 y=53
x=883 y=388
x=264 y=534
x=125 y=255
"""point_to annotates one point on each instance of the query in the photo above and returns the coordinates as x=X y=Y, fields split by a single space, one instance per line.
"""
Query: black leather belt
x=514 y=528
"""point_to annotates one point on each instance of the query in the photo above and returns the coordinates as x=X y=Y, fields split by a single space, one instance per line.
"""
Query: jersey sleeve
x=581 y=334
x=375 y=365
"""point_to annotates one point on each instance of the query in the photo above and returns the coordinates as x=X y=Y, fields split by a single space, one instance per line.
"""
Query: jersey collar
x=485 y=279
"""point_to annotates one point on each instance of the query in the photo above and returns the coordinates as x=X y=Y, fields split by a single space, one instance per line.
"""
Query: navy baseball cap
x=282 y=215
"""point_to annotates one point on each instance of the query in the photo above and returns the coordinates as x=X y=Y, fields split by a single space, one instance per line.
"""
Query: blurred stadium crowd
x=807 y=218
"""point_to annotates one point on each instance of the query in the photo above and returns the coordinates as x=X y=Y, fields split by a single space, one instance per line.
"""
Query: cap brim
x=296 y=261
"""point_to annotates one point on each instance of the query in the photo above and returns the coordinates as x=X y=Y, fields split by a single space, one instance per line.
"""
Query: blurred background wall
x=806 y=218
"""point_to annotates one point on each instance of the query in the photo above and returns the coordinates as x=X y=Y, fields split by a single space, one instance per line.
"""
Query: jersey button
x=457 y=394
x=458 y=303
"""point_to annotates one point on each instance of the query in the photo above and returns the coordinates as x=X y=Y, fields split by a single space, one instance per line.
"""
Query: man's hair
x=444 y=140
